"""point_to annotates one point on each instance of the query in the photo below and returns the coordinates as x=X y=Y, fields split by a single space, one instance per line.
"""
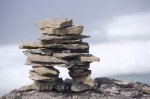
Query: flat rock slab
x=34 y=63
x=62 y=31
x=61 y=41
x=39 y=44
x=124 y=84
x=49 y=56
x=44 y=58
x=45 y=51
x=66 y=37
x=36 y=77
x=54 y=23
x=46 y=71
x=88 y=58
x=39 y=51
x=65 y=65
x=66 y=55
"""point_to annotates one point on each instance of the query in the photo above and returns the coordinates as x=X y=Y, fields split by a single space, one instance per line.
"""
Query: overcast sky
x=18 y=17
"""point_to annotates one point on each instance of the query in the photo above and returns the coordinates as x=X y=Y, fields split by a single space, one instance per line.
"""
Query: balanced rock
x=46 y=71
x=35 y=76
x=54 y=23
x=44 y=58
x=62 y=31
x=85 y=80
x=66 y=37
x=35 y=63
x=61 y=41
x=39 y=44
x=88 y=58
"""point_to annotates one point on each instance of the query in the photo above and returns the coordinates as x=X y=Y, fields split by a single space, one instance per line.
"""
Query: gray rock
x=84 y=73
x=39 y=44
x=44 y=58
x=54 y=23
x=34 y=63
x=60 y=87
x=85 y=80
x=62 y=31
x=61 y=41
x=46 y=86
x=65 y=55
x=66 y=37
x=78 y=87
x=77 y=70
x=37 y=77
x=78 y=62
x=27 y=88
x=42 y=51
x=124 y=84
x=45 y=51
x=46 y=71
x=76 y=67
x=146 y=90
x=88 y=58
x=110 y=91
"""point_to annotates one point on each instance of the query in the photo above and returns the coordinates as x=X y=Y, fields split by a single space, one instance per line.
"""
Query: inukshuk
x=59 y=45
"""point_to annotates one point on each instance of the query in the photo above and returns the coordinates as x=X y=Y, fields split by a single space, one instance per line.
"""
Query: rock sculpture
x=59 y=45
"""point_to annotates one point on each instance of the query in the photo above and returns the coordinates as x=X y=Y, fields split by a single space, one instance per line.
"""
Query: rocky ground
x=104 y=88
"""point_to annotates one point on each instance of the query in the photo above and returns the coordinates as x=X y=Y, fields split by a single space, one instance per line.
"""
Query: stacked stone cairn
x=59 y=45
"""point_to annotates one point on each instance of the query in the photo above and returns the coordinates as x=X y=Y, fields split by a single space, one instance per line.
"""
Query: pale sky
x=18 y=17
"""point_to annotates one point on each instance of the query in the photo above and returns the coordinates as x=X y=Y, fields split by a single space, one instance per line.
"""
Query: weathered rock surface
x=125 y=84
x=50 y=51
x=61 y=41
x=45 y=71
x=146 y=89
x=88 y=58
x=34 y=63
x=66 y=37
x=79 y=87
x=84 y=79
x=62 y=31
x=54 y=23
x=65 y=55
x=104 y=88
x=36 y=77
x=44 y=58
x=39 y=44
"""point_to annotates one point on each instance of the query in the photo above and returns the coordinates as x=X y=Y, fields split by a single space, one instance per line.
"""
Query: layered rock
x=59 y=45
x=104 y=88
